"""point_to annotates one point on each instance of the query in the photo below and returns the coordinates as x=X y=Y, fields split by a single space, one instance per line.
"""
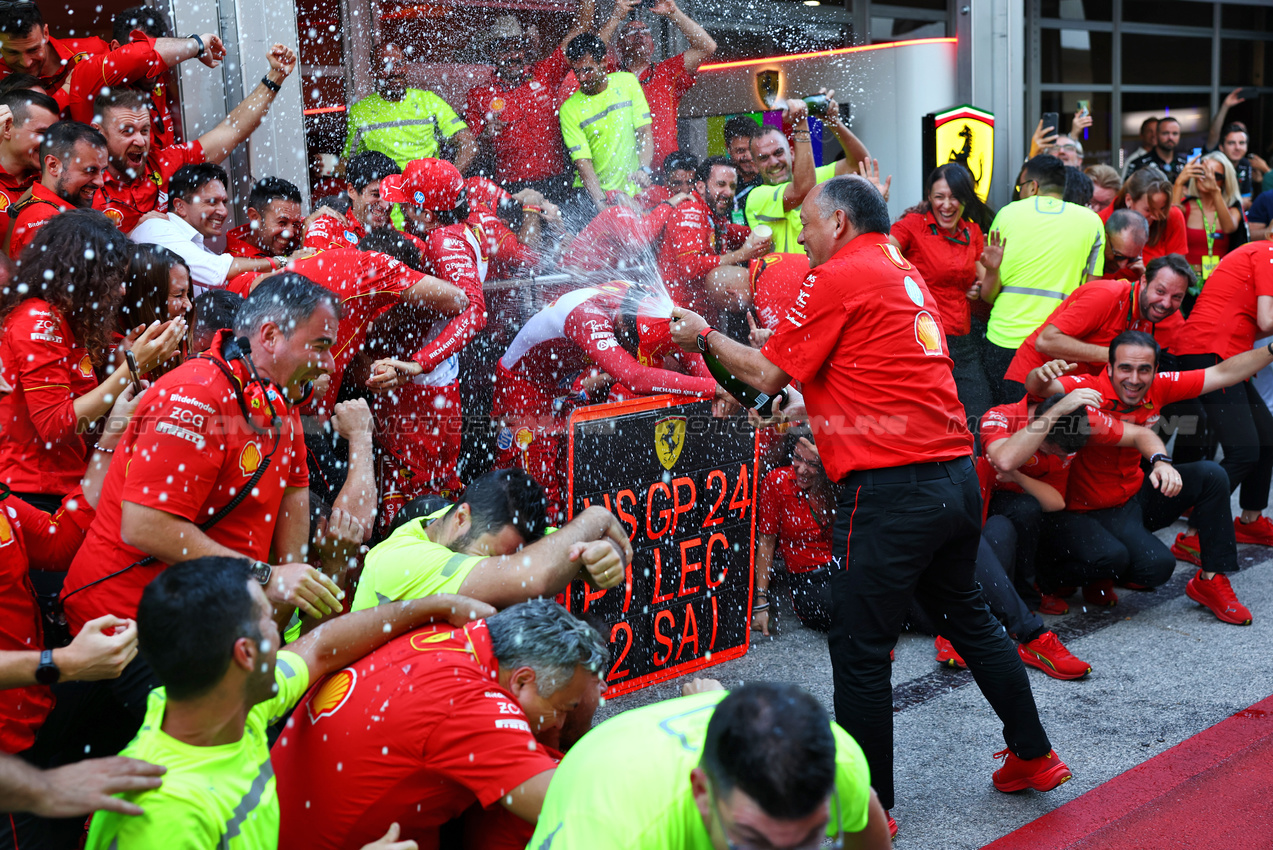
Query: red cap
x=433 y=184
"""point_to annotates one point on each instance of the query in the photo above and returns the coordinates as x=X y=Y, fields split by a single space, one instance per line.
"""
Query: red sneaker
x=1100 y=593
x=1041 y=774
x=1050 y=604
x=1217 y=594
x=1047 y=653
x=946 y=655
x=1187 y=549
x=892 y=826
x=1259 y=532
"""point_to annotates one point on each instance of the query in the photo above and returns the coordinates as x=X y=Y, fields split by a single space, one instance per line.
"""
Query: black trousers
x=997 y=360
x=908 y=533
x=1244 y=427
x=970 y=372
x=1026 y=516
x=811 y=597
x=1118 y=543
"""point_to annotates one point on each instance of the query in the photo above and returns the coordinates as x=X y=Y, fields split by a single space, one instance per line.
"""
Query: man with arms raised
x=137 y=177
x=762 y=766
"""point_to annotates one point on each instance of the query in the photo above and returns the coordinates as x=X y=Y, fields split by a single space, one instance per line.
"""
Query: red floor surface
x=1214 y=790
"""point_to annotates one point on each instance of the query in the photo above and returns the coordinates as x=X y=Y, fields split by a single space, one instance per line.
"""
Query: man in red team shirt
x=700 y=237
x=1111 y=503
x=666 y=82
x=275 y=225
x=1080 y=329
x=1233 y=311
x=199 y=438
x=137 y=176
x=456 y=713
x=908 y=517
x=367 y=210
x=75 y=78
x=516 y=112
x=32 y=113
x=559 y=358
x=418 y=366
x=74 y=162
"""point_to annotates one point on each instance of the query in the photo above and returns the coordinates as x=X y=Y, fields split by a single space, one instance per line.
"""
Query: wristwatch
x=1160 y=457
x=47 y=673
x=702 y=338
x=261 y=572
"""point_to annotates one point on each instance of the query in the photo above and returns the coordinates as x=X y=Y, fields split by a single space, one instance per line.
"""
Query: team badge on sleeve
x=927 y=333
x=895 y=256
x=328 y=699
x=250 y=459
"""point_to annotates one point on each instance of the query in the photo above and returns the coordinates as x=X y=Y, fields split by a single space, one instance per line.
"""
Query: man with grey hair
x=431 y=723
x=190 y=478
x=908 y=514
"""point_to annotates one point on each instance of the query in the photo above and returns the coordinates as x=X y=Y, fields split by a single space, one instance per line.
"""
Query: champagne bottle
x=748 y=396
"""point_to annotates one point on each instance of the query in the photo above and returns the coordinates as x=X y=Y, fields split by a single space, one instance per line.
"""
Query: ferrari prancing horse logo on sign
x=669 y=439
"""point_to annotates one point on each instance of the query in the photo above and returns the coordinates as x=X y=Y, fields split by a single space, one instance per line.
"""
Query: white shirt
x=207 y=270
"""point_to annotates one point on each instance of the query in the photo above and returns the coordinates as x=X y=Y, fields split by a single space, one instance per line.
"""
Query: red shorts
x=418 y=438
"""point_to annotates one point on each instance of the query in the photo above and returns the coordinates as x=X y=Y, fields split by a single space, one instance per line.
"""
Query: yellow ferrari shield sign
x=669 y=439
x=964 y=135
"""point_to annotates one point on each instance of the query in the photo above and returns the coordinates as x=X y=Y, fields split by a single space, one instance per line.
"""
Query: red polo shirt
x=446 y=735
x=775 y=279
x=692 y=243
x=664 y=85
x=40 y=451
x=783 y=510
x=530 y=147
x=367 y=283
x=187 y=451
x=30 y=539
x=125 y=203
x=1106 y=476
x=1223 y=320
x=864 y=337
x=32 y=217
x=237 y=245
x=68 y=53
x=947 y=261
x=129 y=63
x=1095 y=313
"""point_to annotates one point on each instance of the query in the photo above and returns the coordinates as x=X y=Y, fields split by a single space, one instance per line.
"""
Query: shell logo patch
x=328 y=699
x=524 y=437
x=85 y=367
x=421 y=642
x=250 y=458
x=4 y=202
x=116 y=217
x=6 y=530
x=895 y=256
x=497 y=104
x=927 y=333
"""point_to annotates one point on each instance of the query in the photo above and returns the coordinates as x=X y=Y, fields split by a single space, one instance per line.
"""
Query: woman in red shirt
x=1206 y=192
x=1148 y=192
x=157 y=289
x=943 y=238
x=56 y=318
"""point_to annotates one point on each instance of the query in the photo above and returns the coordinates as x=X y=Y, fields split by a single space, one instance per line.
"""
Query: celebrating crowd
x=284 y=511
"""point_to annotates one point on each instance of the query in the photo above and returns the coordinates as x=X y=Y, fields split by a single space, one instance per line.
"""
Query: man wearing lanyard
x=908 y=515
